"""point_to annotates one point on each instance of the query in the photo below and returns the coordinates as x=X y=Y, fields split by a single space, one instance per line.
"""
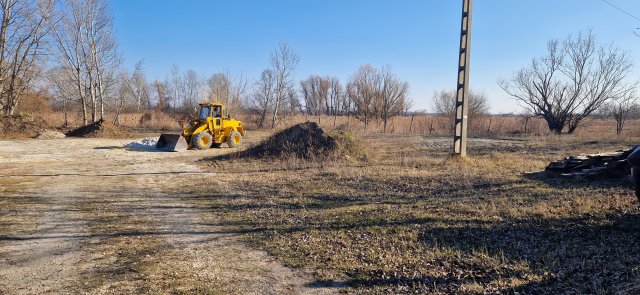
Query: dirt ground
x=102 y=216
x=88 y=216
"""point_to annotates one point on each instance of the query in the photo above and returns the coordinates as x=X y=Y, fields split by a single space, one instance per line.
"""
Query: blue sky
x=418 y=38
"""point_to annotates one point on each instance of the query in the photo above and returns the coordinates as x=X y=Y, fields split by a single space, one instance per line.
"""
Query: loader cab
x=205 y=112
x=214 y=111
x=216 y=114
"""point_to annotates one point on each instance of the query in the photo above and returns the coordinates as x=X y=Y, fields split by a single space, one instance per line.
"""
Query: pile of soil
x=21 y=126
x=307 y=141
x=100 y=129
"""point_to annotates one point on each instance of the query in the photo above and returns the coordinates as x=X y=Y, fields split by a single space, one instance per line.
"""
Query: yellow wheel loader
x=213 y=127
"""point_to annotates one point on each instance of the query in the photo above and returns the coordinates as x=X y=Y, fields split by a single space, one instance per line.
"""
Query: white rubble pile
x=147 y=144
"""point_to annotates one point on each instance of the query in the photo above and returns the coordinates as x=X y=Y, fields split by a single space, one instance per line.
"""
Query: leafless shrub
x=574 y=79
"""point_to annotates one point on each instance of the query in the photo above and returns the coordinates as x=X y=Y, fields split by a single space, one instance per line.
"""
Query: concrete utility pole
x=462 y=92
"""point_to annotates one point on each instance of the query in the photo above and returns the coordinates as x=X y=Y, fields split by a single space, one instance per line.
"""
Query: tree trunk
x=384 y=129
x=116 y=121
x=84 y=110
x=366 y=122
x=64 y=111
x=411 y=124
x=82 y=96
x=12 y=109
x=274 y=119
x=431 y=127
x=263 y=117
x=139 y=102
x=6 y=17
x=554 y=126
x=101 y=95
x=94 y=113
x=619 y=124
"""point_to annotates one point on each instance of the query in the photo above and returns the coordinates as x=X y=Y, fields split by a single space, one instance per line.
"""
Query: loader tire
x=202 y=141
x=234 y=140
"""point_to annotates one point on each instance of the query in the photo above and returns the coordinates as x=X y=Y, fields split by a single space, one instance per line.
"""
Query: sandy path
x=95 y=218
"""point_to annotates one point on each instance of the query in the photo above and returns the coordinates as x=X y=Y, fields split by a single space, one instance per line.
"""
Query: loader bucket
x=172 y=142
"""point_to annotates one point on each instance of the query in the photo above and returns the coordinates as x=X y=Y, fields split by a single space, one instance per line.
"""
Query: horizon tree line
x=67 y=49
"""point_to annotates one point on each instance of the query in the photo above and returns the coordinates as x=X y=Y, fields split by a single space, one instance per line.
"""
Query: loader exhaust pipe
x=172 y=143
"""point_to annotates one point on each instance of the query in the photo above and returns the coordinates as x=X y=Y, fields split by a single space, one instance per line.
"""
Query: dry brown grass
x=409 y=220
x=431 y=125
x=483 y=126
x=131 y=120
x=414 y=220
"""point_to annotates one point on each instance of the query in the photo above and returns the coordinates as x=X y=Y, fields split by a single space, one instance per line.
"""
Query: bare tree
x=70 y=57
x=284 y=61
x=621 y=109
x=176 y=87
x=263 y=96
x=132 y=88
x=139 y=87
x=161 y=94
x=363 y=89
x=87 y=47
x=219 y=88
x=573 y=80
x=315 y=91
x=102 y=48
x=124 y=93
x=23 y=28
x=222 y=88
x=238 y=92
x=294 y=102
x=346 y=102
x=392 y=95
x=192 y=87
x=444 y=102
x=63 y=90
x=336 y=93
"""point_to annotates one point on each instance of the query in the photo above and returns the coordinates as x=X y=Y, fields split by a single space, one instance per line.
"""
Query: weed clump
x=100 y=129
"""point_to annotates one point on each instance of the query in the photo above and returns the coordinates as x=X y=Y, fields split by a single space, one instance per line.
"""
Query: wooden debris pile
x=612 y=164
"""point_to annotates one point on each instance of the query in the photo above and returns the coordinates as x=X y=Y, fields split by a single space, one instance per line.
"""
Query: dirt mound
x=101 y=129
x=21 y=126
x=49 y=134
x=307 y=141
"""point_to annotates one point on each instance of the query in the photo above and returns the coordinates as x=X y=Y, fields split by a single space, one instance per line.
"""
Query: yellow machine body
x=211 y=128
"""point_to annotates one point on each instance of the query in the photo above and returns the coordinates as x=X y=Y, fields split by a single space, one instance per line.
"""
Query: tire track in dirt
x=198 y=254
x=46 y=255
x=137 y=233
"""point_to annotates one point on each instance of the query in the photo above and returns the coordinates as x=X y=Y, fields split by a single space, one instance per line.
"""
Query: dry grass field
x=411 y=220
x=428 y=125
x=93 y=216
